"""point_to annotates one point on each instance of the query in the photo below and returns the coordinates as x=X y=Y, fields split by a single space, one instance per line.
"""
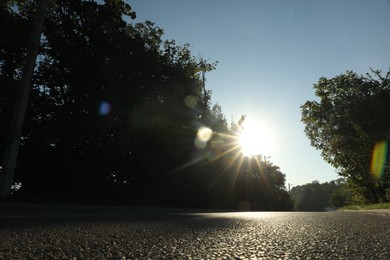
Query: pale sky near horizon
x=270 y=54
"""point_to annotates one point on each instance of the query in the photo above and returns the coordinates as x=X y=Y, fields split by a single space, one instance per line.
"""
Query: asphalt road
x=118 y=233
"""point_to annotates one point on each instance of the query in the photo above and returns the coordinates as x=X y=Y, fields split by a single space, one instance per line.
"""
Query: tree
x=260 y=185
x=108 y=117
x=317 y=196
x=349 y=119
x=115 y=114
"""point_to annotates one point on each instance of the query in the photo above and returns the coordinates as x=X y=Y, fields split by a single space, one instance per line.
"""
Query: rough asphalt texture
x=169 y=234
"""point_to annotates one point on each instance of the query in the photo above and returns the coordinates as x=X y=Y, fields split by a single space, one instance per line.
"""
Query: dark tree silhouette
x=115 y=113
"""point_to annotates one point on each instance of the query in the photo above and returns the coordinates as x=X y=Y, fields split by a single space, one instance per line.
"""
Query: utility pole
x=202 y=64
x=241 y=121
x=289 y=188
x=15 y=131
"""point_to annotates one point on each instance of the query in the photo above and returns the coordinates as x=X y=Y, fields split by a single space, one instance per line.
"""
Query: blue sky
x=270 y=54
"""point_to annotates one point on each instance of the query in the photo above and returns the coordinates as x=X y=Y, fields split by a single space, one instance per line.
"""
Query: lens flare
x=200 y=144
x=204 y=134
x=378 y=160
x=104 y=108
x=190 y=101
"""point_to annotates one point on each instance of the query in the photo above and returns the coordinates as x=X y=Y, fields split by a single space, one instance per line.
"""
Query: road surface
x=34 y=232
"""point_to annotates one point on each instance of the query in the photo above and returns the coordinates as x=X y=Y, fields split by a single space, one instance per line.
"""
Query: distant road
x=32 y=232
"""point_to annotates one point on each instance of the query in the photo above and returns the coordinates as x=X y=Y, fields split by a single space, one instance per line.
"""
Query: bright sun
x=255 y=139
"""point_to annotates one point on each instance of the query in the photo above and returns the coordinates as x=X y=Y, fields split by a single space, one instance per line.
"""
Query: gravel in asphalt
x=164 y=234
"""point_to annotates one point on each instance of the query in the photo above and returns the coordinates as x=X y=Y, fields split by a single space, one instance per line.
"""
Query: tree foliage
x=317 y=196
x=346 y=122
x=115 y=113
x=261 y=185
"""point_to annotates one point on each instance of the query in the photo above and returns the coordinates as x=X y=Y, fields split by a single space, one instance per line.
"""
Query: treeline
x=118 y=114
x=316 y=196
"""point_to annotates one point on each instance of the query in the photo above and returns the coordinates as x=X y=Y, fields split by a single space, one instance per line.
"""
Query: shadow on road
x=13 y=216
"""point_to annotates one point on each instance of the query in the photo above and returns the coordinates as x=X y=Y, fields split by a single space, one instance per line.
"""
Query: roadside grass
x=367 y=207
